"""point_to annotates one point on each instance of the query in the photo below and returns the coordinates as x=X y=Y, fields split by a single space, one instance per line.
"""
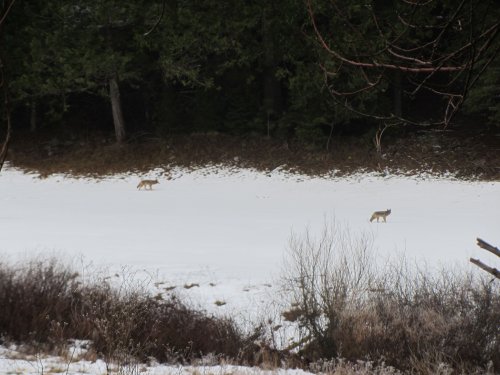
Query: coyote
x=145 y=183
x=380 y=214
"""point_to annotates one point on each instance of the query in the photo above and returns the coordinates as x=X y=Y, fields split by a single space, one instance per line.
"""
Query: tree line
x=282 y=68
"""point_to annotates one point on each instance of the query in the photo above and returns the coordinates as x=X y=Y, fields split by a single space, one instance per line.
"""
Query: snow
x=14 y=361
x=227 y=231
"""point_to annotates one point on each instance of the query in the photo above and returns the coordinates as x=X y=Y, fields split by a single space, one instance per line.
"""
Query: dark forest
x=378 y=77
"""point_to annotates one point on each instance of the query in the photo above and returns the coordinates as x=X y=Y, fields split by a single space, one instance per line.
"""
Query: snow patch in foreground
x=13 y=361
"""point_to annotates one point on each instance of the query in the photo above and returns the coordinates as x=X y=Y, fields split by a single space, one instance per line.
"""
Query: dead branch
x=433 y=65
x=158 y=20
x=486 y=246
x=7 y=7
x=494 y=250
x=378 y=137
x=401 y=67
x=486 y=268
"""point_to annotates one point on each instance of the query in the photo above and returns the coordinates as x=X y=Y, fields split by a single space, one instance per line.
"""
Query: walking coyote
x=380 y=214
x=147 y=183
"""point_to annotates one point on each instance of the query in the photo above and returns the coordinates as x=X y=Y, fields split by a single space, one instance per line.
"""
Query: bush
x=345 y=307
x=36 y=301
x=45 y=303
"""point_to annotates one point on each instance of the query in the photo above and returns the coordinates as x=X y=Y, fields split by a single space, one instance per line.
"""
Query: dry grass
x=416 y=322
x=100 y=157
x=45 y=303
x=413 y=319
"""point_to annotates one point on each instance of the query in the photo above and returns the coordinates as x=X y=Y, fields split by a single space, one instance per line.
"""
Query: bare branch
x=159 y=19
x=374 y=63
x=408 y=58
x=434 y=64
x=483 y=266
x=486 y=246
x=6 y=11
x=369 y=85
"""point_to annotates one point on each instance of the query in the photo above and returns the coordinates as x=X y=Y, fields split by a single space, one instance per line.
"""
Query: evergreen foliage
x=242 y=67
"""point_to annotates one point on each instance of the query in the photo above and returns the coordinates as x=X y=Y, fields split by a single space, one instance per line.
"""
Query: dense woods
x=301 y=70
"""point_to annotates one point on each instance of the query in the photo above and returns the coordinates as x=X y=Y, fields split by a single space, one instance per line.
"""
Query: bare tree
x=325 y=276
x=417 y=48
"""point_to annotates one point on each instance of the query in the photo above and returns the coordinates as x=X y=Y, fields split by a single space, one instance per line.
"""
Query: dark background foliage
x=236 y=67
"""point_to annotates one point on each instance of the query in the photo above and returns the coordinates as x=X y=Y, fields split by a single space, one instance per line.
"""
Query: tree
x=240 y=54
x=418 y=50
x=483 y=97
x=86 y=46
x=4 y=12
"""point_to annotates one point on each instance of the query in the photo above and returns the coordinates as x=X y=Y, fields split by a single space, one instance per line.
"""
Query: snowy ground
x=15 y=362
x=226 y=232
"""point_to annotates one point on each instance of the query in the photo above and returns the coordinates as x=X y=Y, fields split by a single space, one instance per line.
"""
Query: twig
x=70 y=359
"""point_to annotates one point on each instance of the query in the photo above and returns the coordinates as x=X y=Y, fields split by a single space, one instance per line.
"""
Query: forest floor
x=466 y=155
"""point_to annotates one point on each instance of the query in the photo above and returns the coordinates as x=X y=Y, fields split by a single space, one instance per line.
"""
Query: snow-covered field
x=226 y=232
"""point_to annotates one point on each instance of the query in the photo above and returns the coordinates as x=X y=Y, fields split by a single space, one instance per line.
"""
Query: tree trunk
x=6 y=96
x=116 y=107
x=6 y=141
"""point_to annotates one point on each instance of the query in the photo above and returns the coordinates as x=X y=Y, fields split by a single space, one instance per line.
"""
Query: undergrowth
x=98 y=157
x=394 y=322
x=46 y=303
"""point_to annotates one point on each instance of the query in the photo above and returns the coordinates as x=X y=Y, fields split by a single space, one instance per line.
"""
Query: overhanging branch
x=444 y=67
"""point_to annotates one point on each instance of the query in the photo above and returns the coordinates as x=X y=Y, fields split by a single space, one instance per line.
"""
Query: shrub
x=344 y=306
x=36 y=301
x=46 y=303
